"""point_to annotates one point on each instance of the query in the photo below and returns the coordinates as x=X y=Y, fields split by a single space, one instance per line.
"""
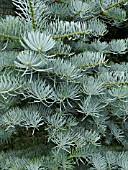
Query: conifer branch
x=63 y=15
x=116 y=4
x=106 y=9
x=59 y=73
x=116 y=83
x=32 y=15
x=91 y=65
x=10 y=36
x=6 y=7
x=54 y=37
x=58 y=86
x=58 y=53
x=70 y=34
x=112 y=17
x=7 y=13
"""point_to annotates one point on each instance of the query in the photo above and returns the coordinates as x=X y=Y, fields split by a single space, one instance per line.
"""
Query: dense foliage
x=64 y=85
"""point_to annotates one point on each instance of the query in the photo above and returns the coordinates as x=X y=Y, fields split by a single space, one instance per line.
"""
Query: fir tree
x=63 y=98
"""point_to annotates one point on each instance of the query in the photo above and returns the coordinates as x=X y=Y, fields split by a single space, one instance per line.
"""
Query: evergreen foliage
x=63 y=98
